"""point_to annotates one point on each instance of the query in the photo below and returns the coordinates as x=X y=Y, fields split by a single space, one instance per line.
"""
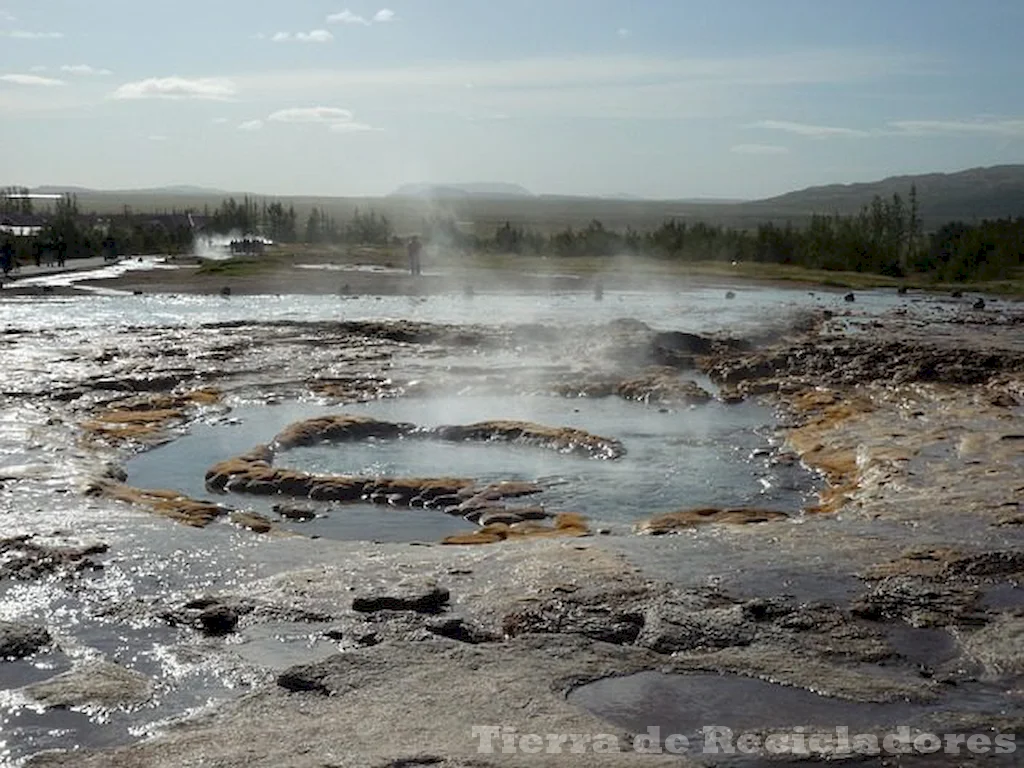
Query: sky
x=654 y=98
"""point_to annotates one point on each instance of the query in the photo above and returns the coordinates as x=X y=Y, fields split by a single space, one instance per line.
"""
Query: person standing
x=415 y=256
x=7 y=257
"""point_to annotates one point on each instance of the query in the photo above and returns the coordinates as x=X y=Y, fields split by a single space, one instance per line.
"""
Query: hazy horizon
x=668 y=100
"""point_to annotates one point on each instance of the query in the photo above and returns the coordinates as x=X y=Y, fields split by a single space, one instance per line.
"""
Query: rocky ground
x=899 y=587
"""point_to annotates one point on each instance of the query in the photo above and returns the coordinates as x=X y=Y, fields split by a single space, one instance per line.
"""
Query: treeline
x=884 y=238
x=364 y=228
x=280 y=224
x=15 y=200
x=249 y=217
x=68 y=234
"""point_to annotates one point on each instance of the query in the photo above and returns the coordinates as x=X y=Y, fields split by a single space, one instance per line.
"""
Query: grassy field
x=593 y=267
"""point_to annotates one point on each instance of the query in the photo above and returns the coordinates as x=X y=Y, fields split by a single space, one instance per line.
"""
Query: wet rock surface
x=29 y=557
x=96 y=683
x=196 y=513
x=671 y=522
x=884 y=591
x=18 y=640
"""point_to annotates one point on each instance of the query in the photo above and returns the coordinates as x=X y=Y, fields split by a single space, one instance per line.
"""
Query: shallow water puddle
x=699 y=705
x=686 y=703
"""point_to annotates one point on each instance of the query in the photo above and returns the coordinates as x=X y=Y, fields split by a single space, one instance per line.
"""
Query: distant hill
x=493 y=190
x=969 y=195
x=972 y=194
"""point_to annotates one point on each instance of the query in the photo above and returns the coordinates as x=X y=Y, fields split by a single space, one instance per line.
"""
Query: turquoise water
x=675 y=458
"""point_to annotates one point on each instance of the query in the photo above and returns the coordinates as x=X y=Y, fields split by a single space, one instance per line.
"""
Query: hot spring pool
x=705 y=455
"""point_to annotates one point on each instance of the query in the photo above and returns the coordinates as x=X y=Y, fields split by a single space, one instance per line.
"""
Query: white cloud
x=33 y=80
x=347 y=17
x=316 y=36
x=603 y=71
x=350 y=127
x=177 y=88
x=384 y=15
x=7 y=16
x=623 y=32
x=811 y=131
x=1012 y=128
x=21 y=34
x=219 y=120
x=311 y=115
x=84 y=69
x=336 y=120
x=251 y=125
x=37 y=68
x=759 y=149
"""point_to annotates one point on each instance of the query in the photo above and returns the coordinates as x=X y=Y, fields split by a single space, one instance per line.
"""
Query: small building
x=21 y=224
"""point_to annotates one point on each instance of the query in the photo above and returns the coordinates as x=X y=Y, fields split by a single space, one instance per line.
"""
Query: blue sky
x=659 y=98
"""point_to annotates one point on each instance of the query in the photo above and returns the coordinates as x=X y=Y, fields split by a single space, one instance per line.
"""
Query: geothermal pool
x=676 y=457
x=707 y=455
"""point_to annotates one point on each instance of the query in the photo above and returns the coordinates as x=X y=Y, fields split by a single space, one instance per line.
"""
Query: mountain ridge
x=970 y=194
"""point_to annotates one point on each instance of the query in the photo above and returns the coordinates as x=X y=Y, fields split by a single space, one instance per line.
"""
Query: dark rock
x=24 y=558
x=254 y=522
x=600 y=614
x=20 y=640
x=427 y=598
x=506 y=516
x=986 y=564
x=678 y=626
x=442 y=502
x=218 y=620
x=730 y=295
x=850 y=360
x=678 y=341
x=849 y=297
x=294 y=513
x=918 y=602
x=459 y=629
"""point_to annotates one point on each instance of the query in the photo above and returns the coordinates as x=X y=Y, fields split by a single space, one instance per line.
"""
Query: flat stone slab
x=98 y=682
